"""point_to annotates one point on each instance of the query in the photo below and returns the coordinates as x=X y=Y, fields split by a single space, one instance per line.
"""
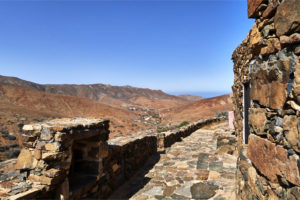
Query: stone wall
x=61 y=159
x=72 y=159
x=128 y=154
x=171 y=137
x=268 y=60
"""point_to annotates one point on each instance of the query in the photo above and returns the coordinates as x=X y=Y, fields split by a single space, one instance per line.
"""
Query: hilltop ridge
x=104 y=93
x=130 y=110
x=203 y=108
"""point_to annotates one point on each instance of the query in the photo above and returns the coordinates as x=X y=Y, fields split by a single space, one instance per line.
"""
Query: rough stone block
x=51 y=173
x=258 y=120
x=55 y=146
x=273 y=45
x=46 y=134
x=252 y=8
x=268 y=86
x=28 y=128
x=24 y=160
x=290 y=123
x=41 y=179
x=273 y=160
x=271 y=9
x=37 y=154
x=287 y=17
x=48 y=156
x=255 y=40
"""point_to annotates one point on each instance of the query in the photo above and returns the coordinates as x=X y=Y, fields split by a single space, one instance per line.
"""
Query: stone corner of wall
x=269 y=61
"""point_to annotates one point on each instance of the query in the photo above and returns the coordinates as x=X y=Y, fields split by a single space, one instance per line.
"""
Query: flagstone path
x=201 y=166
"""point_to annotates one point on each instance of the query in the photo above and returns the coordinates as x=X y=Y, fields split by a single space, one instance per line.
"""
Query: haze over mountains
x=129 y=109
x=112 y=95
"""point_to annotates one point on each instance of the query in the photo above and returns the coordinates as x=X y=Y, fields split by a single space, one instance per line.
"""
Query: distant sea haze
x=205 y=94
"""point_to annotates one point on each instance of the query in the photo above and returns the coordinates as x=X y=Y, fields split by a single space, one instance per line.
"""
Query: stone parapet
x=73 y=158
x=60 y=158
x=171 y=137
x=128 y=154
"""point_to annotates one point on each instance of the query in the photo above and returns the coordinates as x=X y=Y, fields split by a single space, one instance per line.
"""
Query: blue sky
x=176 y=46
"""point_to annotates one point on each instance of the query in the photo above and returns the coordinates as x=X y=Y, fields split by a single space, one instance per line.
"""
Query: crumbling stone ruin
x=73 y=158
x=61 y=158
x=267 y=102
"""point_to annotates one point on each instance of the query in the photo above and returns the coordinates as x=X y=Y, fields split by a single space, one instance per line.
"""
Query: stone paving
x=201 y=166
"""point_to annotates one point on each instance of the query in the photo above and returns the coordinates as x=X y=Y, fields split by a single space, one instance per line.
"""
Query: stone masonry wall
x=170 y=137
x=128 y=154
x=268 y=60
x=61 y=159
x=72 y=159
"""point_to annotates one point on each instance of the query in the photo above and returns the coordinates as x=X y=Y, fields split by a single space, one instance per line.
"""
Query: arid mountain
x=190 y=97
x=21 y=83
x=129 y=109
x=19 y=106
x=113 y=95
x=192 y=111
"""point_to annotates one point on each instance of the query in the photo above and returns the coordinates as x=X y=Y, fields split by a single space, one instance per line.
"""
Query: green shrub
x=162 y=129
x=184 y=123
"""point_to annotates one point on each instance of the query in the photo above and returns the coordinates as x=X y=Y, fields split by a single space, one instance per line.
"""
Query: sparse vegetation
x=184 y=123
x=162 y=129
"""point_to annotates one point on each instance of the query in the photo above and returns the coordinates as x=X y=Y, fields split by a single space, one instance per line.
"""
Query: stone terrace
x=202 y=166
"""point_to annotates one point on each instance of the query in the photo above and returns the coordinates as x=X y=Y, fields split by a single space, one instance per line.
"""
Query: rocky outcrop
x=268 y=61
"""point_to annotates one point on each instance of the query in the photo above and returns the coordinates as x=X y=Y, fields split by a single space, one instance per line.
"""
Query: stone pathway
x=202 y=166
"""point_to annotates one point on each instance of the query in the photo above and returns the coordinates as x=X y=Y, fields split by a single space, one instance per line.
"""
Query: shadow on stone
x=137 y=181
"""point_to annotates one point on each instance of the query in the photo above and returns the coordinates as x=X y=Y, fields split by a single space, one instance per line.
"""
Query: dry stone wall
x=170 y=137
x=61 y=159
x=128 y=154
x=268 y=61
x=73 y=159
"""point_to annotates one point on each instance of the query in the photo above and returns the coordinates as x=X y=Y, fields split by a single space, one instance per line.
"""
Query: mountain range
x=129 y=109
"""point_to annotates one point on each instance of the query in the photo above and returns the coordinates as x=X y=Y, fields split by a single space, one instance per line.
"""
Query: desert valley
x=130 y=110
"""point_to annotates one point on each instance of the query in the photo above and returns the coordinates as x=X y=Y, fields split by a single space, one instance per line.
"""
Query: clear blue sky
x=176 y=46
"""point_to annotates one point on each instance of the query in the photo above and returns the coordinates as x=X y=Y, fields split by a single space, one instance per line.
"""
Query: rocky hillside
x=112 y=95
x=192 y=111
x=190 y=97
x=130 y=110
x=20 y=106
